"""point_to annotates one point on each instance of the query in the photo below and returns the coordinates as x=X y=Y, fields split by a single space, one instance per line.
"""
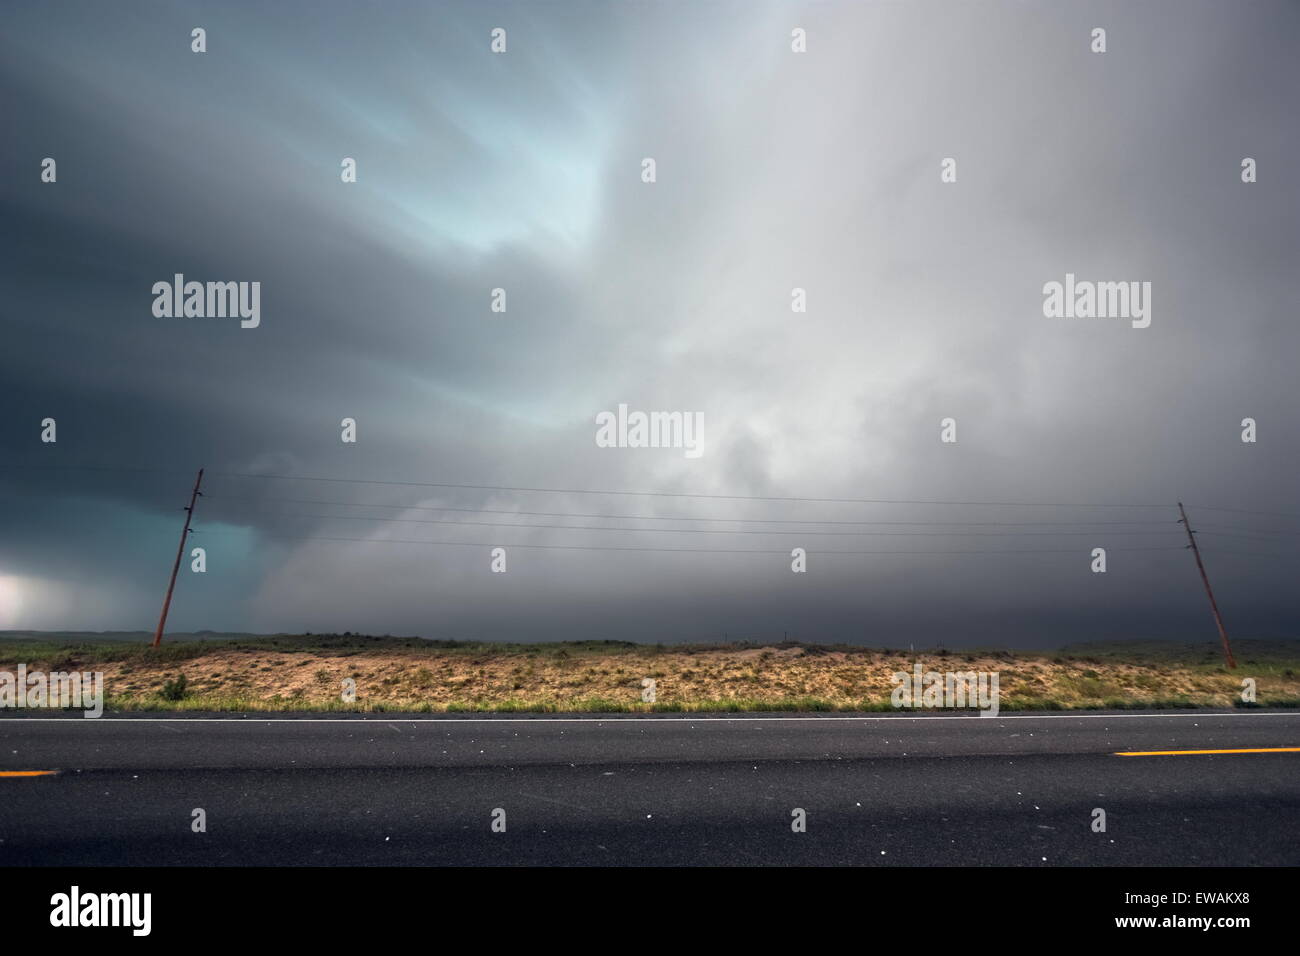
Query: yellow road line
x=1179 y=753
x=26 y=773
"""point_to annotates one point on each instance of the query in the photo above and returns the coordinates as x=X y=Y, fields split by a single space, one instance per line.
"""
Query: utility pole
x=1223 y=635
x=180 y=553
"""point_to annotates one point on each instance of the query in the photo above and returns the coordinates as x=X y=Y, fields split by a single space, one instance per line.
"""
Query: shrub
x=174 y=689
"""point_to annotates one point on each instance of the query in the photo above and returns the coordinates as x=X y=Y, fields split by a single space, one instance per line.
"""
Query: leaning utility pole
x=1227 y=648
x=180 y=553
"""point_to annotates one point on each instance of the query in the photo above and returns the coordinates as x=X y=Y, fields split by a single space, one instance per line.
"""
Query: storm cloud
x=775 y=170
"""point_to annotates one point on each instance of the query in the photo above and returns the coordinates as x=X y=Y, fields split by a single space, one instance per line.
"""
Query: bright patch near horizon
x=11 y=601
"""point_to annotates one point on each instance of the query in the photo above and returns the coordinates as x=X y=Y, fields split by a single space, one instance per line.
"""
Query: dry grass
x=307 y=673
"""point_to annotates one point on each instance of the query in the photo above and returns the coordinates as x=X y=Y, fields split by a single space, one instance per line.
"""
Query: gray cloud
x=522 y=171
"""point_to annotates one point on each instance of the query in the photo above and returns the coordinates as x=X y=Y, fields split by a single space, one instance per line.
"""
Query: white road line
x=614 y=720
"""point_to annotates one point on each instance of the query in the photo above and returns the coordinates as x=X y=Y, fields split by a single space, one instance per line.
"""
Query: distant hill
x=129 y=636
x=1133 y=648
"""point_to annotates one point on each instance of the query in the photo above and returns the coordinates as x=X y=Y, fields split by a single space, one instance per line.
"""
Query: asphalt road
x=881 y=790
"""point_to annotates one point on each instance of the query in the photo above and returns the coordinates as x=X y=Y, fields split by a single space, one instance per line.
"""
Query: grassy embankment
x=306 y=673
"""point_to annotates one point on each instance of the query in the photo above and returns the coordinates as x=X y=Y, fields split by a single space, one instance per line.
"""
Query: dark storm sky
x=775 y=170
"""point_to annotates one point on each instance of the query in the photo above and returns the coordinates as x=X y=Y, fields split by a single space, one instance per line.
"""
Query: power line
x=657 y=494
x=1248 y=511
x=660 y=494
x=1216 y=551
x=14 y=466
x=1235 y=534
x=645 y=517
x=1254 y=532
x=562 y=527
x=681 y=494
x=563 y=547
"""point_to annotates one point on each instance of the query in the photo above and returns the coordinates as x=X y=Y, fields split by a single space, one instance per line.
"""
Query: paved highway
x=626 y=790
